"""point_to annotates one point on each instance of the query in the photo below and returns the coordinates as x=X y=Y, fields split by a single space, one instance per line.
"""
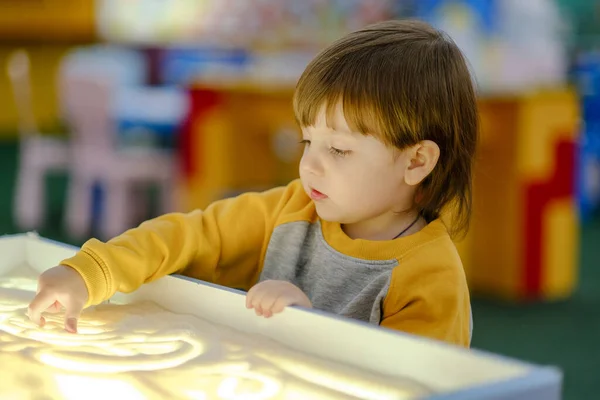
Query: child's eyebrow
x=345 y=132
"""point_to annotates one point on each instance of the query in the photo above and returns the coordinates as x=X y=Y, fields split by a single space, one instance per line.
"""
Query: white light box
x=179 y=338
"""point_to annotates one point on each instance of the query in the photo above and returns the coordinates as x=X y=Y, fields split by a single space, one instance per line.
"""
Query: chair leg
x=116 y=211
x=137 y=203
x=78 y=216
x=29 y=201
x=168 y=196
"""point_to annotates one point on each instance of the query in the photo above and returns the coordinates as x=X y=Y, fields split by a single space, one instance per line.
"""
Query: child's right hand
x=59 y=287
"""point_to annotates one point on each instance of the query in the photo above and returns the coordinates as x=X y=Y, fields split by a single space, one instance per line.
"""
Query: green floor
x=565 y=334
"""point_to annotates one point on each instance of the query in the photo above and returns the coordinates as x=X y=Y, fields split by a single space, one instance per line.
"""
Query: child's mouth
x=316 y=195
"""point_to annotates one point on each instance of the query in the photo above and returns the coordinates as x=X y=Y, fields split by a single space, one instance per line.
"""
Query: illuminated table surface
x=180 y=339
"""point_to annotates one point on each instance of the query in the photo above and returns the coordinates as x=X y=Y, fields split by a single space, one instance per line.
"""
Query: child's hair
x=403 y=82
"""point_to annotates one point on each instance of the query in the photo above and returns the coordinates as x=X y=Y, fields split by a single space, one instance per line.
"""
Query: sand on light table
x=142 y=351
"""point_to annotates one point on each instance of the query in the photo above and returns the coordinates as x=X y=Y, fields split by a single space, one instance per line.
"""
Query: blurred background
x=112 y=112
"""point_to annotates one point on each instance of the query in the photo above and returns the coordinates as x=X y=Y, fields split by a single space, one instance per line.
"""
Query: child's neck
x=385 y=227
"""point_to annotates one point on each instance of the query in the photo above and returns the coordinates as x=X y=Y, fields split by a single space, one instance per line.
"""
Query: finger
x=250 y=296
x=72 y=314
x=40 y=302
x=281 y=303
x=56 y=307
x=256 y=301
x=254 y=293
x=269 y=300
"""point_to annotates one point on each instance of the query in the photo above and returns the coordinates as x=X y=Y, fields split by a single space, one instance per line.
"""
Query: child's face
x=352 y=177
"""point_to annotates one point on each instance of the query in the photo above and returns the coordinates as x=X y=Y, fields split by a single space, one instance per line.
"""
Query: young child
x=389 y=126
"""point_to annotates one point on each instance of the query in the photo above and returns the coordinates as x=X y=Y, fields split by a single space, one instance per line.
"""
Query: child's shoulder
x=432 y=252
x=434 y=235
x=431 y=269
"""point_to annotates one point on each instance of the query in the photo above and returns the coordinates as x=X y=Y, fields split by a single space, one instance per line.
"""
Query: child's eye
x=338 y=152
x=305 y=142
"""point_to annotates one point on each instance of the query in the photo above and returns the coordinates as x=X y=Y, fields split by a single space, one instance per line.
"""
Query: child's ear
x=424 y=158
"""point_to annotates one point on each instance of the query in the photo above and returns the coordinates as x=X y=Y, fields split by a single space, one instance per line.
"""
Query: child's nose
x=311 y=162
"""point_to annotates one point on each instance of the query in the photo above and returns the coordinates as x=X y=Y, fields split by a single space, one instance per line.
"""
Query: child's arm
x=433 y=303
x=224 y=245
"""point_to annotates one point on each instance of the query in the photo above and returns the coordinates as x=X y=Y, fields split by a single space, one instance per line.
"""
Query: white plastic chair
x=124 y=67
x=88 y=106
x=38 y=154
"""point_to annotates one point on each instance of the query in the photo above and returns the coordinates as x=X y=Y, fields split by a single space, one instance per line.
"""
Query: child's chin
x=327 y=214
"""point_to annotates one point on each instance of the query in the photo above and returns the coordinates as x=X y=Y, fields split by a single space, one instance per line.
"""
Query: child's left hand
x=271 y=297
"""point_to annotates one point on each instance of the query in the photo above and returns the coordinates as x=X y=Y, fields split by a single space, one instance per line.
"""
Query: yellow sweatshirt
x=414 y=284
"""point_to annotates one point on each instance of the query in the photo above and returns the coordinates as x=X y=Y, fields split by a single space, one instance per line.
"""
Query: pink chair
x=87 y=103
x=38 y=154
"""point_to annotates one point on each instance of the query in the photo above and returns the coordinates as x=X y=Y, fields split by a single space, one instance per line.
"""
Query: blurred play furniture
x=48 y=21
x=39 y=154
x=149 y=116
x=228 y=143
x=523 y=243
x=102 y=95
x=587 y=75
x=96 y=159
x=91 y=85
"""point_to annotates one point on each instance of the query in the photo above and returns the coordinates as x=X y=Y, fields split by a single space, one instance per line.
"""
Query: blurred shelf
x=47 y=21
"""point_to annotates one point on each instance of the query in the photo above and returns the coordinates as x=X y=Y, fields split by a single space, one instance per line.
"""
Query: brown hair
x=403 y=82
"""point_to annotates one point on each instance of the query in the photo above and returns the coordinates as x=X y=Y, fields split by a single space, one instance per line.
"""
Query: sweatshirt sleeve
x=223 y=244
x=429 y=297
